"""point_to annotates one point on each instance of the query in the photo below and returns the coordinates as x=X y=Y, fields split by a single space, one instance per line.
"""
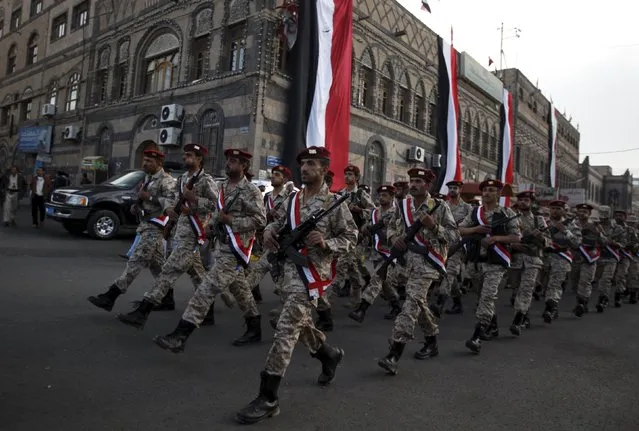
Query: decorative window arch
x=211 y=136
x=200 y=43
x=485 y=150
x=151 y=122
x=404 y=99
x=161 y=61
x=494 y=152
x=375 y=161
x=12 y=58
x=476 y=136
x=420 y=107
x=52 y=95
x=432 y=111
x=73 y=92
x=466 y=132
x=366 y=82
x=102 y=75
x=32 y=49
x=387 y=87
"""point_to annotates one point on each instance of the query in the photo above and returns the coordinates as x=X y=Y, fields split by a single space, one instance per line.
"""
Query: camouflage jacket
x=206 y=192
x=533 y=247
x=459 y=211
x=161 y=187
x=361 y=199
x=380 y=239
x=615 y=236
x=338 y=228
x=271 y=200
x=569 y=238
x=511 y=228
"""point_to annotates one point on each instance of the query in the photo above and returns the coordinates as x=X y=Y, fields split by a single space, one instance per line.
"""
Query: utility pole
x=516 y=35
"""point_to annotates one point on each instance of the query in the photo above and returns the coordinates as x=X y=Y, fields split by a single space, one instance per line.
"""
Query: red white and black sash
x=242 y=252
x=309 y=274
x=432 y=257
x=377 y=243
x=194 y=220
x=613 y=252
x=500 y=251
x=627 y=254
x=269 y=202
x=566 y=254
x=591 y=254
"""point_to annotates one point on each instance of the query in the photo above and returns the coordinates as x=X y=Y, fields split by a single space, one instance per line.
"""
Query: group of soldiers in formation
x=314 y=243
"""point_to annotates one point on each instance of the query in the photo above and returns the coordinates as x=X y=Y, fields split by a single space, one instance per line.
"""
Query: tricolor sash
x=377 y=243
x=269 y=202
x=613 y=253
x=241 y=252
x=436 y=260
x=159 y=221
x=194 y=220
x=566 y=254
x=627 y=254
x=591 y=254
x=309 y=274
x=499 y=250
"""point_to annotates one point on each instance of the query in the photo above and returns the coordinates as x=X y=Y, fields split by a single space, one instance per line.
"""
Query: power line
x=611 y=152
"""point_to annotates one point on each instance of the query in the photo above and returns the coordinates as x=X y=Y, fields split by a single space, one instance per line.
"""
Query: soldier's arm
x=207 y=200
x=513 y=229
x=446 y=228
x=573 y=235
x=253 y=216
x=395 y=229
x=466 y=225
x=620 y=236
x=367 y=205
x=342 y=234
x=166 y=195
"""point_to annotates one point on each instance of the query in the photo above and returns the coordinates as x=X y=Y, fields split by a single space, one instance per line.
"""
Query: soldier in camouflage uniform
x=626 y=257
x=379 y=221
x=613 y=236
x=542 y=279
x=526 y=259
x=396 y=278
x=584 y=265
x=304 y=285
x=632 y=247
x=565 y=235
x=154 y=198
x=240 y=213
x=425 y=260
x=489 y=256
x=196 y=206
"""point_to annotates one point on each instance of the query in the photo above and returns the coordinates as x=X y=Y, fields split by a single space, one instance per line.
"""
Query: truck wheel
x=103 y=224
x=74 y=228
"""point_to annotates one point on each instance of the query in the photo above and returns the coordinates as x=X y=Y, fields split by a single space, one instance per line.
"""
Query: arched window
x=73 y=93
x=467 y=134
x=161 y=61
x=102 y=76
x=476 y=143
x=420 y=107
x=202 y=24
x=52 y=96
x=494 y=152
x=366 y=81
x=12 y=58
x=484 y=140
x=32 y=49
x=210 y=133
x=120 y=72
x=404 y=99
x=374 y=168
x=106 y=143
x=387 y=90
x=432 y=111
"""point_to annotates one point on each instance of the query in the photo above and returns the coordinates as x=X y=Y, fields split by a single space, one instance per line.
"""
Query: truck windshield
x=127 y=180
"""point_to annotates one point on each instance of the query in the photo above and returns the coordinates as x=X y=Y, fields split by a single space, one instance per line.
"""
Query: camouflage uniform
x=340 y=234
x=633 y=264
x=583 y=272
x=627 y=257
x=227 y=272
x=559 y=264
x=454 y=264
x=617 y=234
x=185 y=256
x=149 y=251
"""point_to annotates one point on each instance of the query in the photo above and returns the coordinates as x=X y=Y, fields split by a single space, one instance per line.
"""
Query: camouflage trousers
x=350 y=266
x=606 y=272
x=225 y=275
x=582 y=275
x=491 y=276
x=185 y=257
x=558 y=270
x=379 y=284
x=524 y=280
x=257 y=270
x=148 y=253
x=415 y=308
x=449 y=285
x=295 y=322
x=623 y=274
x=10 y=207
x=633 y=274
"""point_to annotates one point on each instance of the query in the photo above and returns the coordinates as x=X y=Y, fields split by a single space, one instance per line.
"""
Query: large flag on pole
x=447 y=114
x=552 y=146
x=507 y=149
x=320 y=94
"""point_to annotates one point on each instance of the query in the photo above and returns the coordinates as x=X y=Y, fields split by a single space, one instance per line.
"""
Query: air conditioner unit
x=169 y=136
x=70 y=133
x=48 y=110
x=416 y=154
x=172 y=113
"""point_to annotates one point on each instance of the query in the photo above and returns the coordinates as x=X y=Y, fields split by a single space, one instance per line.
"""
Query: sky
x=585 y=55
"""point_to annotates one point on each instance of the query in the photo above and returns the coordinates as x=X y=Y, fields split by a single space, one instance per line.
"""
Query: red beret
x=526 y=194
x=156 y=154
x=557 y=203
x=455 y=183
x=234 y=152
x=197 y=149
x=286 y=172
x=386 y=188
x=491 y=183
x=425 y=174
x=352 y=168
x=313 y=153
x=400 y=184
x=584 y=207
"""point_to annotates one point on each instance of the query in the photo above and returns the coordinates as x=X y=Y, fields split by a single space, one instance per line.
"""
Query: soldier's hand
x=354 y=208
x=536 y=233
x=226 y=218
x=399 y=244
x=428 y=221
x=487 y=242
x=172 y=214
x=560 y=226
x=190 y=195
x=518 y=247
x=272 y=214
x=144 y=195
x=364 y=231
x=483 y=230
x=186 y=210
x=315 y=238
x=270 y=240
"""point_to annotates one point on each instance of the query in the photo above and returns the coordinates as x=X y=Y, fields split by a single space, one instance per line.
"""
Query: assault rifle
x=138 y=206
x=218 y=230
x=290 y=241
x=475 y=238
x=178 y=206
x=374 y=229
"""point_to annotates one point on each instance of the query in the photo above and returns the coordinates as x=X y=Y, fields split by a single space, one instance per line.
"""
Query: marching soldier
x=565 y=235
x=584 y=264
x=240 y=213
x=197 y=193
x=425 y=261
x=495 y=229
x=328 y=178
x=526 y=259
x=613 y=237
x=335 y=234
x=631 y=280
x=154 y=199
x=401 y=190
x=626 y=256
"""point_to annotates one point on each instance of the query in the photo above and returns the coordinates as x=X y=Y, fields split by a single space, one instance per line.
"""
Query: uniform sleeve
x=367 y=205
x=467 y=221
x=620 y=236
x=513 y=226
x=279 y=220
x=446 y=228
x=166 y=197
x=573 y=235
x=252 y=217
x=209 y=193
x=342 y=237
x=395 y=227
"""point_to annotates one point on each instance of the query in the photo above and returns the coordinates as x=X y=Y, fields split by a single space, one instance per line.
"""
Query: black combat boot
x=492 y=331
x=266 y=405
x=209 y=319
x=580 y=309
x=527 y=324
x=518 y=322
x=253 y=332
x=330 y=357
x=617 y=299
x=512 y=298
x=602 y=303
x=167 y=304
x=360 y=312
x=257 y=294
x=107 y=299
x=474 y=344
x=389 y=363
x=430 y=349
x=549 y=311
x=633 y=297
x=438 y=307
x=176 y=340
x=138 y=317
x=394 y=311
x=325 y=320
x=345 y=290
x=457 y=307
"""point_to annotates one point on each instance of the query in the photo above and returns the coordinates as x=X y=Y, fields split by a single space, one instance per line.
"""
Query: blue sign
x=272 y=161
x=36 y=139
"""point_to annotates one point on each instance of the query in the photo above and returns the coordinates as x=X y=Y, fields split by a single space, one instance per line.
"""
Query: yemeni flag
x=319 y=98
x=447 y=114
x=507 y=149
x=552 y=146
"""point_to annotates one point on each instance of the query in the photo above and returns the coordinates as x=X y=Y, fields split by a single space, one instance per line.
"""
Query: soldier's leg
x=558 y=271
x=584 y=288
x=607 y=272
x=526 y=281
x=633 y=281
x=179 y=260
x=621 y=275
x=486 y=326
x=197 y=274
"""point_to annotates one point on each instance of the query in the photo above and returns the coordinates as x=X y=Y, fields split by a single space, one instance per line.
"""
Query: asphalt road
x=66 y=365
